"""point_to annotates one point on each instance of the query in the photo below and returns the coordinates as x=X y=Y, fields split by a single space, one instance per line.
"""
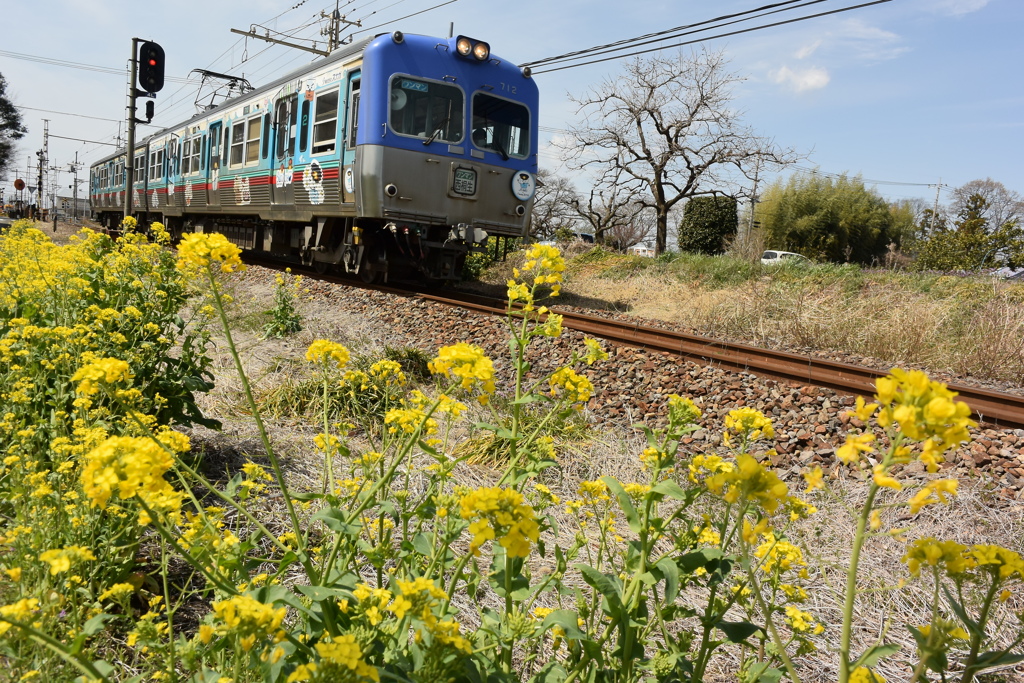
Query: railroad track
x=995 y=408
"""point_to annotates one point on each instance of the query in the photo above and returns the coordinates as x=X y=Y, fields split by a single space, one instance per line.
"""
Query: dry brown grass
x=973 y=328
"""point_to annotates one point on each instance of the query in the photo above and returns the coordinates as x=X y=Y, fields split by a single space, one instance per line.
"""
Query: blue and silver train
x=395 y=156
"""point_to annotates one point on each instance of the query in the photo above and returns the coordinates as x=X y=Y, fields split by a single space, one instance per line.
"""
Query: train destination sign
x=465 y=181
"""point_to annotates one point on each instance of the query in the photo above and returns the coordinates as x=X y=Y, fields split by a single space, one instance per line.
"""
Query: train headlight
x=470 y=47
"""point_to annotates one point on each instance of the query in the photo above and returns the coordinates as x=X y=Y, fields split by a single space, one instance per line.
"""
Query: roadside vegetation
x=411 y=552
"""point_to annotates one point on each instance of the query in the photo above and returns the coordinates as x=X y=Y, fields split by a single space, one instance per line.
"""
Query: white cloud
x=869 y=42
x=808 y=50
x=957 y=7
x=804 y=79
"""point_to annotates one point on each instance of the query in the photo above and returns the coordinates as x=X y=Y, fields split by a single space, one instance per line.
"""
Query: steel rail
x=993 y=407
x=997 y=408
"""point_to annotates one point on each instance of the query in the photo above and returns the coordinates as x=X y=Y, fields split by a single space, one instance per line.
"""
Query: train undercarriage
x=371 y=249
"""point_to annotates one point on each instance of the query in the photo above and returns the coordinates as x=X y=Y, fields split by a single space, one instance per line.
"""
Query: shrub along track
x=806 y=397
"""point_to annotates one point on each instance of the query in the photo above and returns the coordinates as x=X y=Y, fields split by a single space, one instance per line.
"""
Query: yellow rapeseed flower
x=202 y=249
x=468 y=364
x=327 y=352
x=500 y=514
x=60 y=560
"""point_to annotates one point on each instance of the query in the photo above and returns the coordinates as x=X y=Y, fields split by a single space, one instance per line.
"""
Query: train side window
x=353 y=114
x=304 y=127
x=266 y=135
x=172 y=157
x=501 y=125
x=325 y=122
x=237 y=143
x=194 y=153
x=252 y=140
x=426 y=108
x=139 y=172
x=153 y=166
x=215 y=146
x=202 y=153
x=186 y=157
x=224 y=149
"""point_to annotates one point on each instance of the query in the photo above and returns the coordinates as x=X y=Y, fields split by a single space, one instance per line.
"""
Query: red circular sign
x=19 y=184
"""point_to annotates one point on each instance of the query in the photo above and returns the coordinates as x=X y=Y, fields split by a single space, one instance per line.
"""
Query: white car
x=774 y=257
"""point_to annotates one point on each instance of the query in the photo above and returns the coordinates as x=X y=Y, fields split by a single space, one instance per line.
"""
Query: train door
x=348 y=138
x=213 y=164
x=174 y=196
x=285 y=116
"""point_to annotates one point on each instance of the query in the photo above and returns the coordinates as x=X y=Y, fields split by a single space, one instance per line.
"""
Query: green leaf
x=520 y=584
x=552 y=672
x=762 y=672
x=632 y=518
x=334 y=519
x=422 y=544
x=995 y=658
x=95 y=625
x=669 y=489
x=691 y=562
x=873 y=654
x=670 y=572
x=958 y=609
x=738 y=631
x=606 y=584
x=321 y=593
x=306 y=496
x=569 y=621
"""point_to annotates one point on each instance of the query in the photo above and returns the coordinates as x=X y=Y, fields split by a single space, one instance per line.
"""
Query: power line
x=76 y=65
x=407 y=16
x=601 y=49
x=815 y=171
x=67 y=113
x=719 y=35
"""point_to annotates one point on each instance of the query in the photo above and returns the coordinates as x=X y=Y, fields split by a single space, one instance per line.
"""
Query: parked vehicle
x=773 y=257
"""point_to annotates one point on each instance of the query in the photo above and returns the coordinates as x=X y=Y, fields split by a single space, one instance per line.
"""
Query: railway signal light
x=151 y=67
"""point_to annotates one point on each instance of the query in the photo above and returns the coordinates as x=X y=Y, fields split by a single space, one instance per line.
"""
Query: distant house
x=66 y=207
x=640 y=250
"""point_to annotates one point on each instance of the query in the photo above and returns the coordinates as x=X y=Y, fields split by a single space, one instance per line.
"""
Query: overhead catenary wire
x=667 y=34
x=713 y=37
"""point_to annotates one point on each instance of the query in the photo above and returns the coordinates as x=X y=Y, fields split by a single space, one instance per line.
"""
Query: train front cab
x=445 y=156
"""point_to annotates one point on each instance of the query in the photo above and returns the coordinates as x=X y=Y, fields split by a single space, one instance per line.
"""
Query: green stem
x=779 y=645
x=58 y=649
x=264 y=436
x=506 y=655
x=979 y=633
x=851 y=585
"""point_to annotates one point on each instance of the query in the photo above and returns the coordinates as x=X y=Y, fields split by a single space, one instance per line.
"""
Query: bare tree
x=1002 y=205
x=553 y=206
x=641 y=225
x=667 y=129
x=609 y=205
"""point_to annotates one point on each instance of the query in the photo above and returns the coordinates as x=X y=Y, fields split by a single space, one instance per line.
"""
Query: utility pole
x=129 y=157
x=74 y=189
x=753 y=199
x=332 y=32
x=935 y=211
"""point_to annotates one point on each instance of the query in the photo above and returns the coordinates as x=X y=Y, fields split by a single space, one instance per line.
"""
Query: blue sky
x=910 y=91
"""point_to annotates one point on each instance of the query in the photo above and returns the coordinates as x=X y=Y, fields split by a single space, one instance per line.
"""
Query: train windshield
x=427 y=109
x=501 y=126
